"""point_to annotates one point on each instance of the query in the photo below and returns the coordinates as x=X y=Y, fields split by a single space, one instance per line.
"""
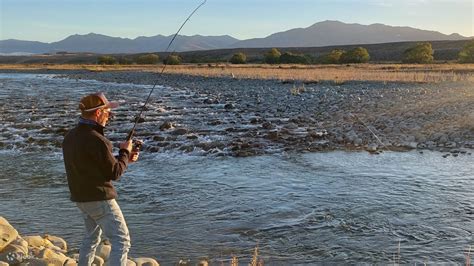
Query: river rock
x=15 y=252
x=39 y=242
x=166 y=125
x=410 y=145
x=274 y=135
x=146 y=262
x=180 y=131
x=192 y=137
x=7 y=233
x=267 y=125
x=42 y=262
x=158 y=138
x=372 y=147
x=103 y=250
x=229 y=106
x=57 y=241
x=204 y=263
x=210 y=101
x=48 y=253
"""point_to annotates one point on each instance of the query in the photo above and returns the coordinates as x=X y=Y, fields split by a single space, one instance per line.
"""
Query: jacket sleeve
x=111 y=167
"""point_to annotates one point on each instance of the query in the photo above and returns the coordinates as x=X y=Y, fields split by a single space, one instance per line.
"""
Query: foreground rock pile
x=48 y=250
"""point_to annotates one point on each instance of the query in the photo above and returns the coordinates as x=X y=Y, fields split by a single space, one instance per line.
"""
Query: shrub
x=124 y=61
x=422 y=53
x=172 y=60
x=467 y=53
x=148 y=59
x=272 y=56
x=356 y=55
x=239 y=58
x=333 y=57
x=289 y=58
x=106 y=60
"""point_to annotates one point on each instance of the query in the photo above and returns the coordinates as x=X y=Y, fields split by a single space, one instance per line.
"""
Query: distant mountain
x=326 y=33
x=97 y=43
x=16 y=46
x=329 y=33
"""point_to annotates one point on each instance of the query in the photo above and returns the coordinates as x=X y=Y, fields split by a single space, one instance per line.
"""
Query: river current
x=299 y=208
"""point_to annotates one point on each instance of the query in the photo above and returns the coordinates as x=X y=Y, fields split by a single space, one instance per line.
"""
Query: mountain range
x=326 y=33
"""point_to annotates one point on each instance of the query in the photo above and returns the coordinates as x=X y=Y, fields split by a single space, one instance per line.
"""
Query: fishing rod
x=373 y=133
x=138 y=143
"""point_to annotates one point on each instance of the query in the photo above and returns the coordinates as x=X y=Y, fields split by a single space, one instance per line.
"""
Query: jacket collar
x=91 y=123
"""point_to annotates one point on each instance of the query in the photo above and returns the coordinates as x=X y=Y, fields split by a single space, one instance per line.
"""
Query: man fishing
x=91 y=167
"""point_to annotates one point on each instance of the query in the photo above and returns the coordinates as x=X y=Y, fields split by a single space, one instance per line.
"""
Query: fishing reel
x=137 y=145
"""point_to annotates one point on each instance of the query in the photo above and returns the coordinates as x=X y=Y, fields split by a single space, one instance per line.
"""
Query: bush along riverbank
x=48 y=250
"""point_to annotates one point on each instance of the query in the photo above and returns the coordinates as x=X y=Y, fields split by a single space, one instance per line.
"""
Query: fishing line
x=132 y=131
x=373 y=133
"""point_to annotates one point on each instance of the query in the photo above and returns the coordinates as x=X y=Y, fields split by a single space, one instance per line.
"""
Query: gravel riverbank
x=244 y=117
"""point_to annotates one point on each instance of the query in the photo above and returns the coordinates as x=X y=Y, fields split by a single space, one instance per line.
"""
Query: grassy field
x=304 y=73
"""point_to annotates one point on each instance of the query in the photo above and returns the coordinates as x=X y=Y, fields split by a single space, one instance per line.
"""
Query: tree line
x=420 y=53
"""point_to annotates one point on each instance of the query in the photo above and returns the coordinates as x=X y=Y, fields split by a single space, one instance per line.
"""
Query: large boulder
x=7 y=233
x=48 y=253
x=15 y=252
x=38 y=242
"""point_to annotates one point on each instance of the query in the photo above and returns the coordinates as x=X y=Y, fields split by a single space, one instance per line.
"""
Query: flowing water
x=299 y=208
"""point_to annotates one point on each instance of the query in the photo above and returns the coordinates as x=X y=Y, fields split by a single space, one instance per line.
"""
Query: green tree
x=172 y=60
x=148 y=59
x=333 y=57
x=239 y=58
x=290 y=58
x=106 y=60
x=272 y=56
x=356 y=55
x=421 y=53
x=467 y=53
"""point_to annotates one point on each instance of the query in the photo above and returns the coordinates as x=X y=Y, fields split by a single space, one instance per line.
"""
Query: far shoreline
x=322 y=115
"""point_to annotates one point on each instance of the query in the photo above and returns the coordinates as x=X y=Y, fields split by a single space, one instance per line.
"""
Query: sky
x=54 y=20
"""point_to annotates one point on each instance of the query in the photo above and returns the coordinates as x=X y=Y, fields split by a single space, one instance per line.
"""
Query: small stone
x=193 y=137
x=273 y=135
x=267 y=125
x=158 y=138
x=372 y=147
x=166 y=125
x=229 y=106
x=179 y=131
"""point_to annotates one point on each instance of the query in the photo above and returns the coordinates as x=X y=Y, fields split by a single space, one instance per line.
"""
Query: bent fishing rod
x=132 y=131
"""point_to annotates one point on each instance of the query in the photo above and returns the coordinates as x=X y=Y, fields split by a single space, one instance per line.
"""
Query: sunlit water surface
x=337 y=207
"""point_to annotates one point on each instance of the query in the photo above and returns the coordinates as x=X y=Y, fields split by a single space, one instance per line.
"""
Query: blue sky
x=54 y=20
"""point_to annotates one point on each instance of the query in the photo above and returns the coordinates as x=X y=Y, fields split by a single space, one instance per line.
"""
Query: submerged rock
x=166 y=125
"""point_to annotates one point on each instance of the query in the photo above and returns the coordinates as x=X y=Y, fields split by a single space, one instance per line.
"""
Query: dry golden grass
x=306 y=73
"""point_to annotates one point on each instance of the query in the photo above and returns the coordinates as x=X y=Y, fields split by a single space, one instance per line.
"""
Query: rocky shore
x=265 y=115
x=244 y=117
x=48 y=250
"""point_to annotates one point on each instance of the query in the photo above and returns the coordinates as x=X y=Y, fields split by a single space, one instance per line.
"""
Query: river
x=299 y=208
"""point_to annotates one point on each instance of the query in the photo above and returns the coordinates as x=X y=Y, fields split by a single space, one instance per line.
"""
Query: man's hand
x=127 y=145
x=133 y=157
